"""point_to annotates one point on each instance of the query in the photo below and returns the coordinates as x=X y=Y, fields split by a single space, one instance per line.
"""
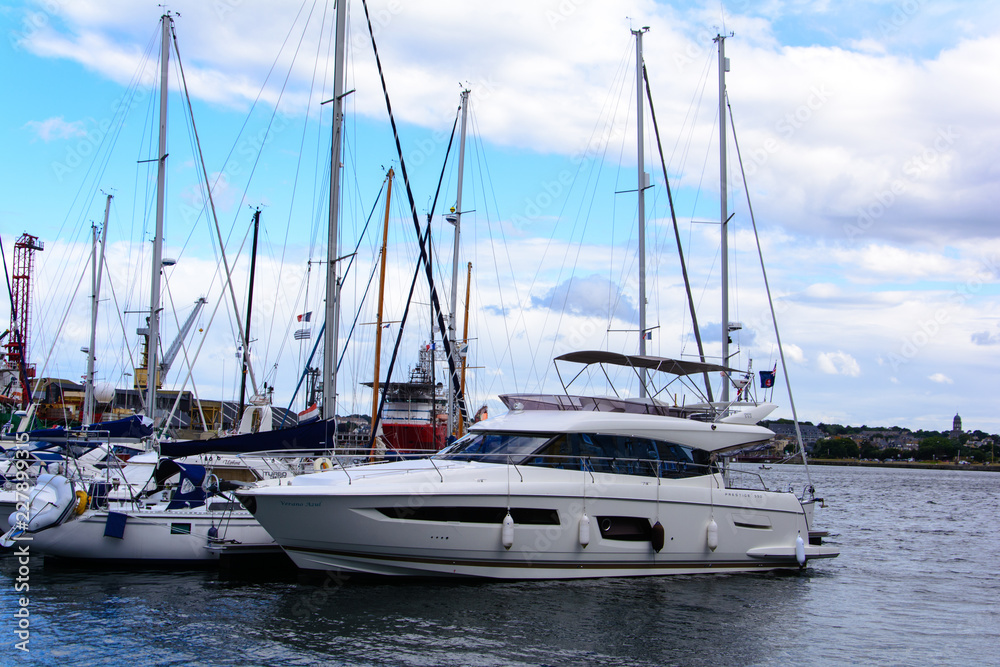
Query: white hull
x=150 y=536
x=152 y=532
x=441 y=528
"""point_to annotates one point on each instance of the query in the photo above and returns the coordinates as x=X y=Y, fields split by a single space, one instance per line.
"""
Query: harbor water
x=916 y=583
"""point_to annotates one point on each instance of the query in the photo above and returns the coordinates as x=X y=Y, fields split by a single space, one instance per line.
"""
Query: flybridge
x=647 y=403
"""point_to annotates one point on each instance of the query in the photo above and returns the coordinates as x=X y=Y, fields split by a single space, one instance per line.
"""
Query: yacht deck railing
x=350 y=461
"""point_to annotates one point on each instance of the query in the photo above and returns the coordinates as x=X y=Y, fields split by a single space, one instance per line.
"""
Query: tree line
x=931 y=448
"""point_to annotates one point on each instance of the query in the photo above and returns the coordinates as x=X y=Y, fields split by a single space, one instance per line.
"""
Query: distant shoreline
x=987 y=467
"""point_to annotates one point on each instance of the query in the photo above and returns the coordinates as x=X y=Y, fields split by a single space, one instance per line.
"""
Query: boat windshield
x=624 y=455
x=495 y=447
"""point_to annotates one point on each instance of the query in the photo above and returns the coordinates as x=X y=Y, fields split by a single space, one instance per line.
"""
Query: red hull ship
x=415 y=413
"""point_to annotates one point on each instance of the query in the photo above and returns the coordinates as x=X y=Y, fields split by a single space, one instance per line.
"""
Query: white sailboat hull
x=150 y=536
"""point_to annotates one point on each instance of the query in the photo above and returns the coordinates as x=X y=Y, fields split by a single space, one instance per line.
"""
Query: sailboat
x=585 y=487
x=155 y=508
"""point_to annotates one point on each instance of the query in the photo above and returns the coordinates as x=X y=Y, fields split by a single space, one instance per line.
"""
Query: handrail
x=729 y=472
x=344 y=469
x=510 y=462
x=431 y=459
x=638 y=467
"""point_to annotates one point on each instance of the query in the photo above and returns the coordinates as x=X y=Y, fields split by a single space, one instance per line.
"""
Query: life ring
x=322 y=463
x=82 y=500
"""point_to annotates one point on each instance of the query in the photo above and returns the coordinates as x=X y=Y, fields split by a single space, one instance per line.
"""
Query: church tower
x=956 y=427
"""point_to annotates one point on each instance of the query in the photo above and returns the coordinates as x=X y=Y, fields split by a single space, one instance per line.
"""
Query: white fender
x=713 y=535
x=507 y=533
x=800 y=550
x=584 y=531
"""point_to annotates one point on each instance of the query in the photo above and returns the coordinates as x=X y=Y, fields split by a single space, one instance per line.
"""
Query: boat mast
x=465 y=342
x=215 y=220
x=456 y=219
x=153 y=341
x=246 y=337
x=641 y=191
x=724 y=212
x=381 y=299
x=97 y=270
x=332 y=279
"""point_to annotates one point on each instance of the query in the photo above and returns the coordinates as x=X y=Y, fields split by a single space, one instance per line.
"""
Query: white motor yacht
x=568 y=486
x=545 y=494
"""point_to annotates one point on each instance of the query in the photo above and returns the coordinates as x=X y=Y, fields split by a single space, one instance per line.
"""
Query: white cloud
x=829 y=134
x=838 y=363
x=794 y=353
x=588 y=295
x=880 y=261
x=56 y=128
x=941 y=378
x=826 y=131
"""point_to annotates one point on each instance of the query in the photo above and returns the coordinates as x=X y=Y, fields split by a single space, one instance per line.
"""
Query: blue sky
x=868 y=132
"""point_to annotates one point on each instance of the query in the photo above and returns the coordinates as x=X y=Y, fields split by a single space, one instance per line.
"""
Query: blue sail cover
x=189 y=492
x=135 y=426
x=317 y=436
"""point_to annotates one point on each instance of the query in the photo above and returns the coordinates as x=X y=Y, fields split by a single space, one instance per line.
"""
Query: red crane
x=20 y=311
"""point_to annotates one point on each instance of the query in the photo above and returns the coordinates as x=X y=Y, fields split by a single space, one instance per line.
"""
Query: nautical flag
x=309 y=414
x=305 y=317
x=767 y=377
x=303 y=334
x=649 y=335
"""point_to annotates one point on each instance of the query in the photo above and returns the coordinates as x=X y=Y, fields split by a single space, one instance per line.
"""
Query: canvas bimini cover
x=645 y=361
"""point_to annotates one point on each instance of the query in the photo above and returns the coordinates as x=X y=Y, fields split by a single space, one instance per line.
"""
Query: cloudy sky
x=868 y=133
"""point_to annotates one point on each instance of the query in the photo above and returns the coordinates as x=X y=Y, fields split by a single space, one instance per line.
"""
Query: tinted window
x=495 y=447
x=619 y=454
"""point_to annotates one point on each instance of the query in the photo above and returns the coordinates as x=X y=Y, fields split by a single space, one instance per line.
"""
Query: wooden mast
x=381 y=299
x=460 y=429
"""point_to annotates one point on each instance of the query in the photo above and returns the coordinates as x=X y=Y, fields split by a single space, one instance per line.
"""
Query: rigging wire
x=677 y=234
x=770 y=302
x=484 y=172
x=109 y=132
x=590 y=164
x=322 y=329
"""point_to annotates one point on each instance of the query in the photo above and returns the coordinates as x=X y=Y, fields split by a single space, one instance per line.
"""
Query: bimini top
x=662 y=364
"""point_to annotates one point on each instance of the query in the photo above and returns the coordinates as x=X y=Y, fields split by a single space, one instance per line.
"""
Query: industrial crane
x=171 y=353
